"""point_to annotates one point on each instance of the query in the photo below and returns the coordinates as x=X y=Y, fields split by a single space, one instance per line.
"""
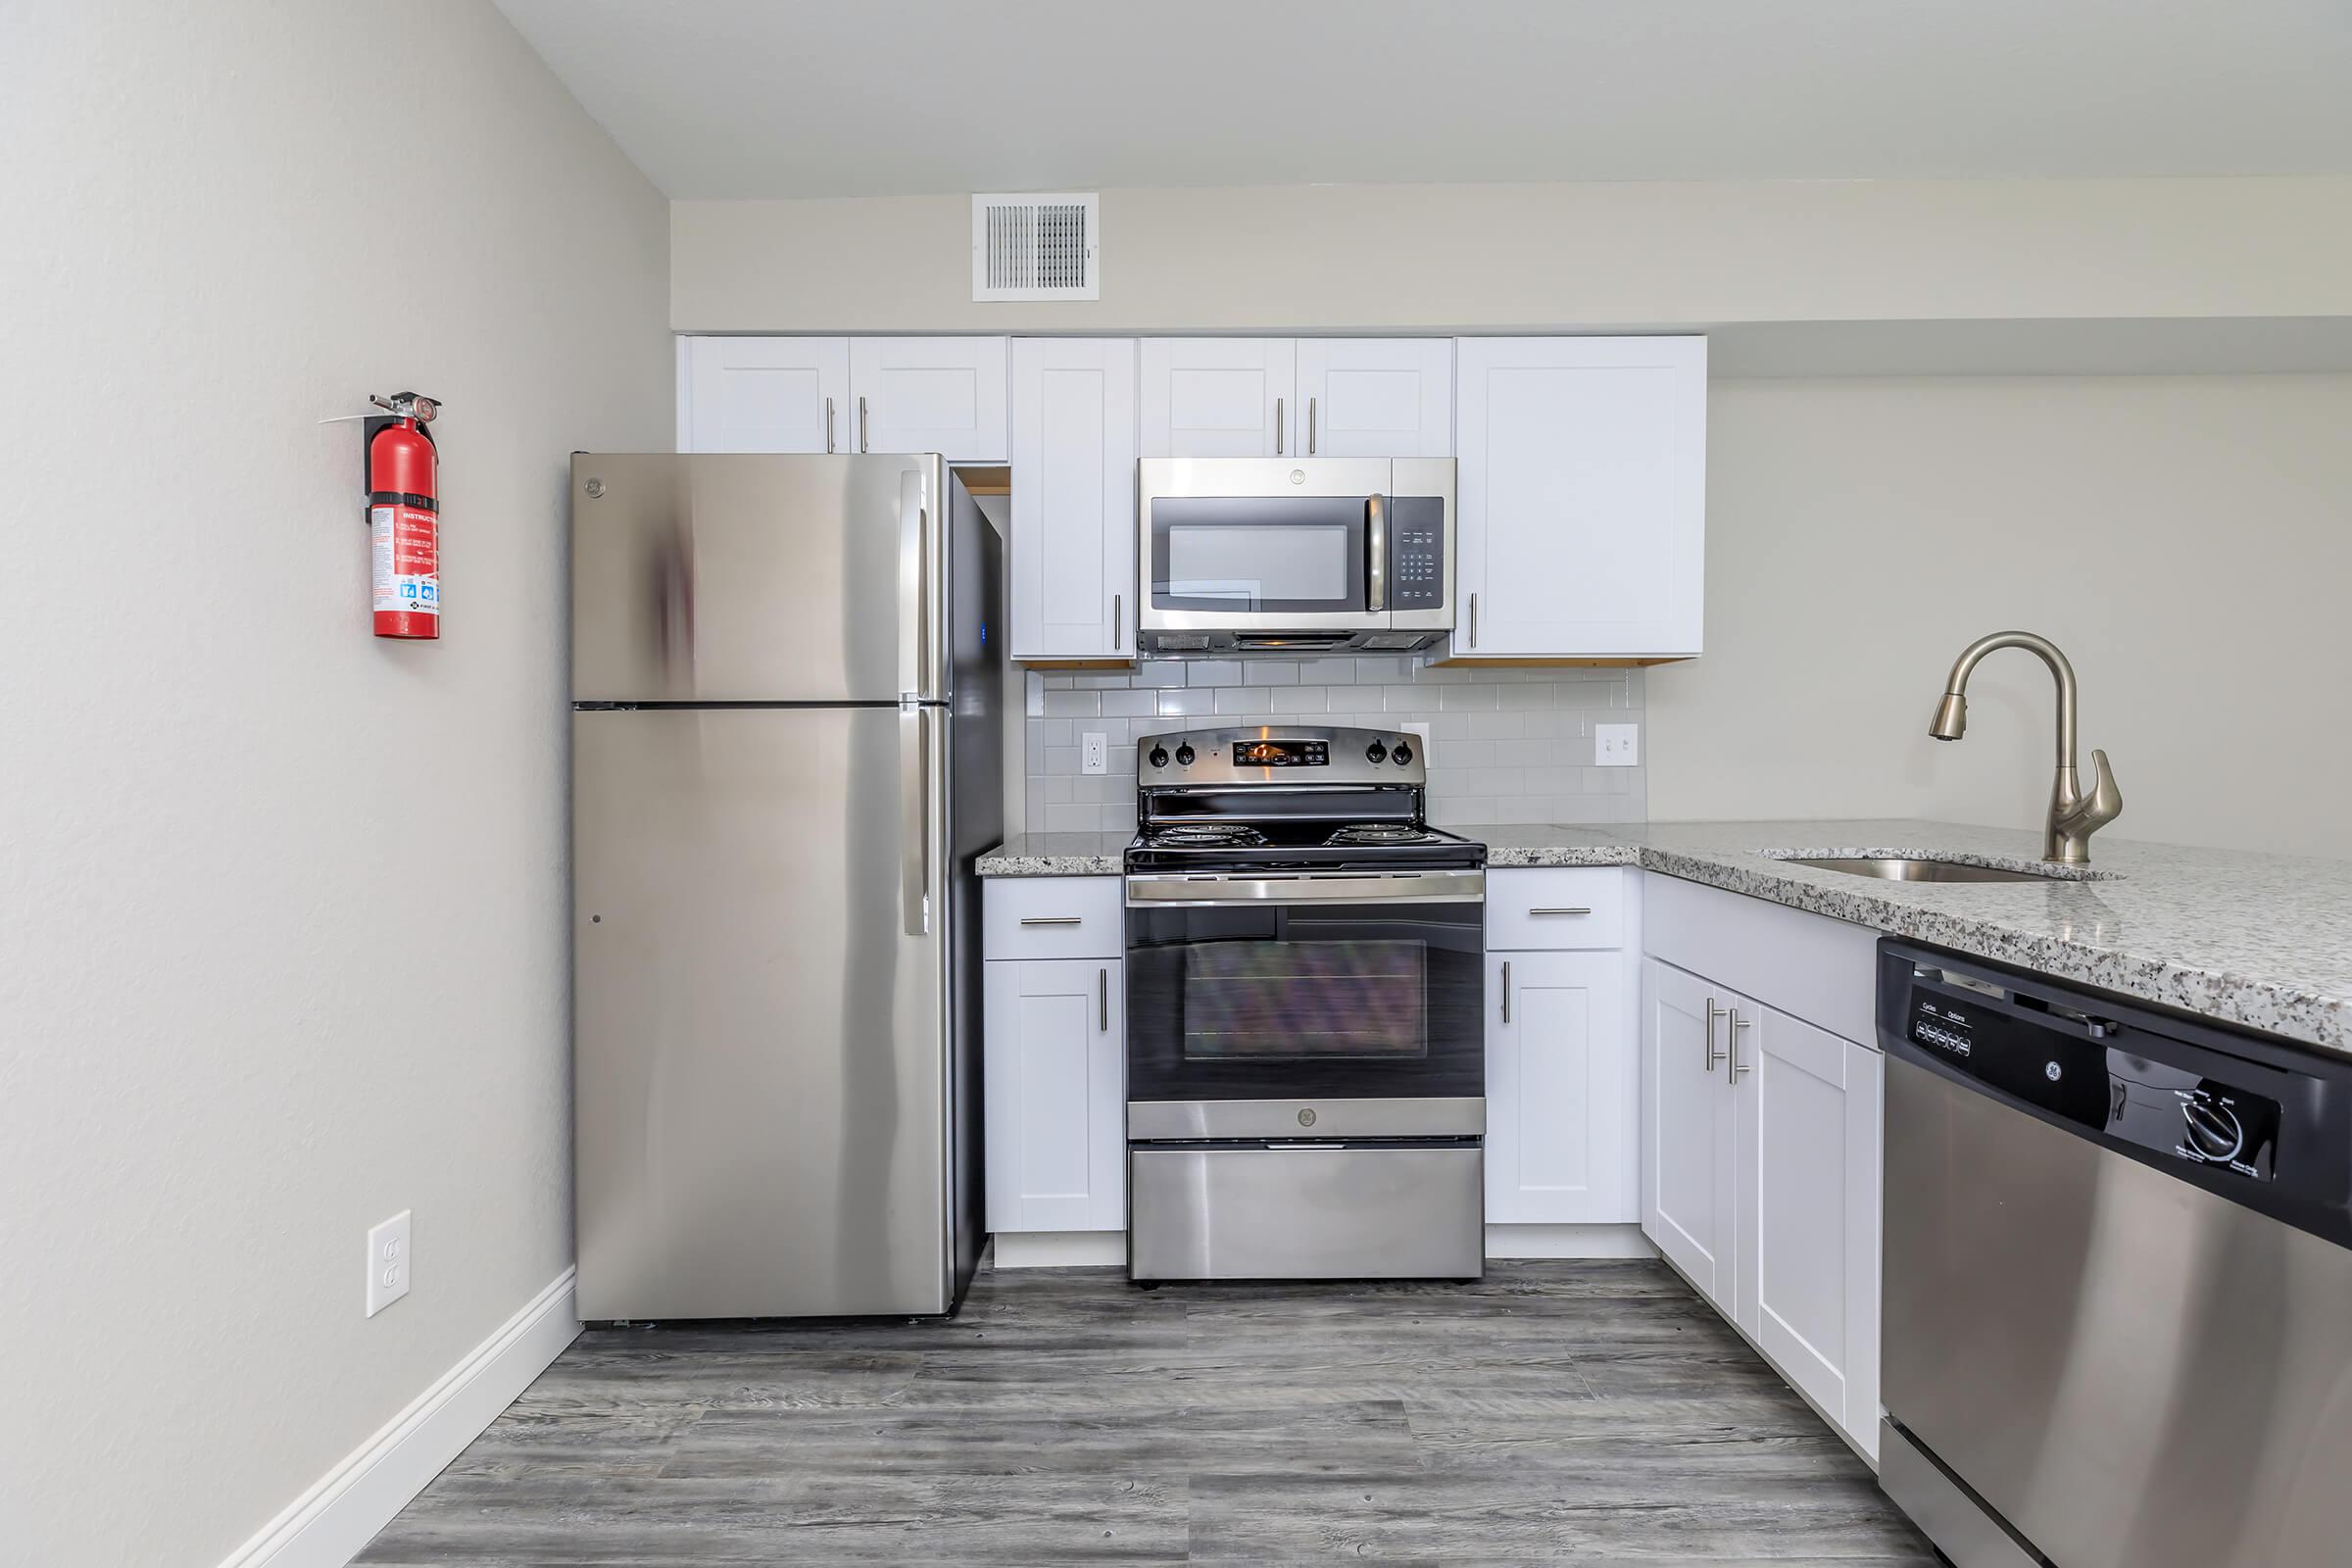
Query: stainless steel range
x=1306 y=1042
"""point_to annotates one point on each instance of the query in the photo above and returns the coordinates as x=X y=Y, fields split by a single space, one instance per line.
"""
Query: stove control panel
x=1269 y=754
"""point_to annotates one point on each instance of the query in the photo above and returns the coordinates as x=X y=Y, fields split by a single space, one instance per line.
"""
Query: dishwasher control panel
x=2081 y=1067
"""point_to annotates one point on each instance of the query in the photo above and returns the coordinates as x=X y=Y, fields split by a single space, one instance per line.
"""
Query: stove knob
x=1376 y=753
x=1160 y=757
x=2213 y=1131
x=1404 y=753
x=1184 y=757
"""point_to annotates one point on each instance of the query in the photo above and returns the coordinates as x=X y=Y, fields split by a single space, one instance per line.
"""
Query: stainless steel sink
x=1908 y=870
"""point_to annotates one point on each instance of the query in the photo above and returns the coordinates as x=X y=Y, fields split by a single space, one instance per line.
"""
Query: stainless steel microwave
x=1295 y=554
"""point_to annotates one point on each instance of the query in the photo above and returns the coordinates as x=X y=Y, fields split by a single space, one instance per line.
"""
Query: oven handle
x=1249 y=892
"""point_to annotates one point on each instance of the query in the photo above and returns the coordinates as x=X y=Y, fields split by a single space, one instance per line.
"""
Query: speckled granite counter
x=2259 y=939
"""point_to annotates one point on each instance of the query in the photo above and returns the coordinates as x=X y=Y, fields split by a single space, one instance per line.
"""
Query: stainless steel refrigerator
x=786 y=732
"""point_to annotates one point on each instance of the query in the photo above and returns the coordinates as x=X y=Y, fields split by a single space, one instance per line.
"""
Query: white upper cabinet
x=838 y=394
x=1220 y=397
x=1073 y=498
x=930 y=394
x=1581 y=497
x=1376 y=397
x=1560 y=1090
x=763 y=394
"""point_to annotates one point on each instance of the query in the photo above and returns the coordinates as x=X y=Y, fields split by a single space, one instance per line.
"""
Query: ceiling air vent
x=1036 y=247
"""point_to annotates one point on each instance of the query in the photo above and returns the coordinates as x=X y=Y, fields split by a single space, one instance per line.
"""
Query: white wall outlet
x=1094 y=757
x=388 y=1262
x=1616 y=744
x=1427 y=748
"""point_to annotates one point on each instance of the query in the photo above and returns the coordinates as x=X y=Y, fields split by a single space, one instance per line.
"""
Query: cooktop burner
x=1383 y=833
x=1216 y=835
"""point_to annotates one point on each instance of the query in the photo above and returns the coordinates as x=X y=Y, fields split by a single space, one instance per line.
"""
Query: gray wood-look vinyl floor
x=1583 y=1413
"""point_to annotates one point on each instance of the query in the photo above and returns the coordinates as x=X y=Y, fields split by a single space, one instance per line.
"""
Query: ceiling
x=780 y=98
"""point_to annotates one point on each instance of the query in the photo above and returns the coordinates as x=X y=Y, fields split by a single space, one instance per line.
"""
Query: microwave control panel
x=1416 y=553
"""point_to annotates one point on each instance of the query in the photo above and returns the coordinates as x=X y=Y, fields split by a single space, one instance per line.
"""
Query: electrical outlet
x=1616 y=744
x=1427 y=748
x=388 y=1262
x=1094 y=757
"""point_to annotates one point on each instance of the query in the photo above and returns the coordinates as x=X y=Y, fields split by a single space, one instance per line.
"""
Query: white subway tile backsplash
x=1507 y=745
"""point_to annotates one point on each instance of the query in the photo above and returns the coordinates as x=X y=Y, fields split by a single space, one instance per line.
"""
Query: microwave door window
x=1247 y=568
x=1272 y=555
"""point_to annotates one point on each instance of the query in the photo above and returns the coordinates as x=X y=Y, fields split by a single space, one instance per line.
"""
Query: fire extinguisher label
x=408 y=559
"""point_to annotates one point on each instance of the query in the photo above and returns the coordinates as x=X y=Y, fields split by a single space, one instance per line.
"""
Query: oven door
x=1248 y=543
x=1313 y=1005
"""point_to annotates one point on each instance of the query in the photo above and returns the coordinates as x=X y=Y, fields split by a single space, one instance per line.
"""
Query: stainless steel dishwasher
x=2118 y=1279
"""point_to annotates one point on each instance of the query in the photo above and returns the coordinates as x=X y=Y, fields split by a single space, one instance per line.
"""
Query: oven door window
x=1279 y=1002
x=1275 y=554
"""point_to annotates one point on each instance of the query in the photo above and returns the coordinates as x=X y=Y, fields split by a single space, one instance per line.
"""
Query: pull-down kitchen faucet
x=2074 y=815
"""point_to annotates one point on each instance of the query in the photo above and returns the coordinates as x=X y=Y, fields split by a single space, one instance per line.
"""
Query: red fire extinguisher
x=404 y=518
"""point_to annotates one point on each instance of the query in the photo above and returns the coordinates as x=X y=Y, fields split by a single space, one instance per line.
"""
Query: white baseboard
x=327 y=1525
x=1568 y=1241
x=1060 y=1249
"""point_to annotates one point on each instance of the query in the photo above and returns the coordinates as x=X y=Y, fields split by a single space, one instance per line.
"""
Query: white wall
x=284 y=907
x=1499 y=258
x=2187 y=540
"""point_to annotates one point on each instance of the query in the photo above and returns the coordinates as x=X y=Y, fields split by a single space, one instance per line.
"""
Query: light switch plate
x=1094 y=756
x=388 y=1262
x=1616 y=744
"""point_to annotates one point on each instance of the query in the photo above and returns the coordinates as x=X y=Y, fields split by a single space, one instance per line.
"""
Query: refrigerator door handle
x=914 y=588
x=914 y=798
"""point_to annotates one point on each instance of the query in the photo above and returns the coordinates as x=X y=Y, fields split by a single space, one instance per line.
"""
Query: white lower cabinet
x=1806 y=1148
x=1760 y=1181
x=1559 y=1090
x=1055 y=1088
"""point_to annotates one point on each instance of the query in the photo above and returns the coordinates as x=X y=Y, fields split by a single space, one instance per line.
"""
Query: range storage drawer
x=1555 y=910
x=1306 y=1211
x=1052 y=917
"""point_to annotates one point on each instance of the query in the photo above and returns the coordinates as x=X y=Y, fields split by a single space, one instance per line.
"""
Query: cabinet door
x=1687 y=1156
x=1073 y=498
x=765 y=394
x=1561 y=1103
x=929 y=394
x=1219 y=397
x=1376 y=397
x=1582 y=493
x=1807 y=1142
x=1055 y=1088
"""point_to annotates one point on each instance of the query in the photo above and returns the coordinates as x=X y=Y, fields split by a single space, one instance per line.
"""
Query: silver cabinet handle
x=863 y=430
x=1564 y=910
x=1473 y=620
x=915 y=795
x=1052 y=919
x=1506 y=991
x=828 y=424
x=1731 y=1041
x=1310 y=427
x=1376 y=529
x=1103 y=1001
x=1118 y=623
x=1278 y=428
x=1713 y=1013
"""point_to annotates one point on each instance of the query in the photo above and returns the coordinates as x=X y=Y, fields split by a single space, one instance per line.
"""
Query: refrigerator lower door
x=764 y=1059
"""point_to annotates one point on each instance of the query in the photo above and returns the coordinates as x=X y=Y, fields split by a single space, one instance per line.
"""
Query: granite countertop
x=2259 y=939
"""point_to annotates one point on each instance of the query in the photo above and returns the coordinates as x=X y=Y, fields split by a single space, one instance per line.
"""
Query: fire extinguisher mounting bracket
x=403 y=406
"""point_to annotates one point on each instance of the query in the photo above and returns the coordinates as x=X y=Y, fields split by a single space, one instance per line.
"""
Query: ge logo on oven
x=1306 y=1118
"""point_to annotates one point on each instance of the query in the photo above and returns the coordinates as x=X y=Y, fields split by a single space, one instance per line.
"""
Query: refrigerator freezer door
x=762 y=1060
x=758 y=577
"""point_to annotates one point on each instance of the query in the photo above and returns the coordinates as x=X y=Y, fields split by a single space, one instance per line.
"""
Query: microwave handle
x=1376 y=534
